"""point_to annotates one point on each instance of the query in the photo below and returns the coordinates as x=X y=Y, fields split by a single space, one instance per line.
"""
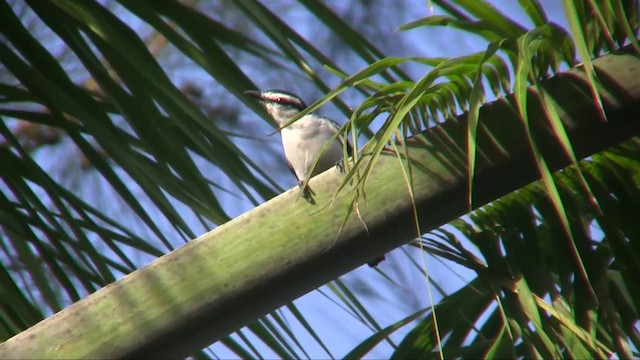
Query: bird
x=309 y=138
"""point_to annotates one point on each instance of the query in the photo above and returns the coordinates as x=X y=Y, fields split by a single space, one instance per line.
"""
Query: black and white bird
x=305 y=140
x=308 y=138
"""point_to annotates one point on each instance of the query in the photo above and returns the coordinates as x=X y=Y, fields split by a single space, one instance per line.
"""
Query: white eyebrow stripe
x=281 y=99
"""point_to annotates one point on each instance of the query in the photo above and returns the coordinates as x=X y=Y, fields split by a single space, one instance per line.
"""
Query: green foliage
x=556 y=261
x=537 y=291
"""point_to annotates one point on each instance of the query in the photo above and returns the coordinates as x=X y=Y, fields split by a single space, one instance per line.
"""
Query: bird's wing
x=341 y=139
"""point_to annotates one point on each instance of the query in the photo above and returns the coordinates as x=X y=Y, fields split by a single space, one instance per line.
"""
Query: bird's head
x=281 y=105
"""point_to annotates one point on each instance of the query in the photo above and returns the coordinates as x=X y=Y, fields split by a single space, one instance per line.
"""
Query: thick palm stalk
x=286 y=247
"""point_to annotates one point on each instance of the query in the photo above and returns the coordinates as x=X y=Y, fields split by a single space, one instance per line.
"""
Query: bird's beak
x=254 y=94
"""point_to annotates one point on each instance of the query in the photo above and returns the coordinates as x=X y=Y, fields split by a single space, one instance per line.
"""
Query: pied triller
x=305 y=139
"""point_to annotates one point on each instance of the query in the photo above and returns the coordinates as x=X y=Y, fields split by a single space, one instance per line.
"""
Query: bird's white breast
x=305 y=139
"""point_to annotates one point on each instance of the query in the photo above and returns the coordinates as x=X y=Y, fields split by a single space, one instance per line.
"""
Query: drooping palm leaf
x=139 y=124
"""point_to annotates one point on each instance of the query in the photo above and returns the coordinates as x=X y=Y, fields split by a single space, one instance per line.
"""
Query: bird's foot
x=307 y=193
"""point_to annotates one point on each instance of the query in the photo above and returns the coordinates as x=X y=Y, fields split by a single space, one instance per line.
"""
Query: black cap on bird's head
x=280 y=97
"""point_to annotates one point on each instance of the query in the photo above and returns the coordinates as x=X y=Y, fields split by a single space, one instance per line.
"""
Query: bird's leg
x=340 y=165
x=307 y=193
